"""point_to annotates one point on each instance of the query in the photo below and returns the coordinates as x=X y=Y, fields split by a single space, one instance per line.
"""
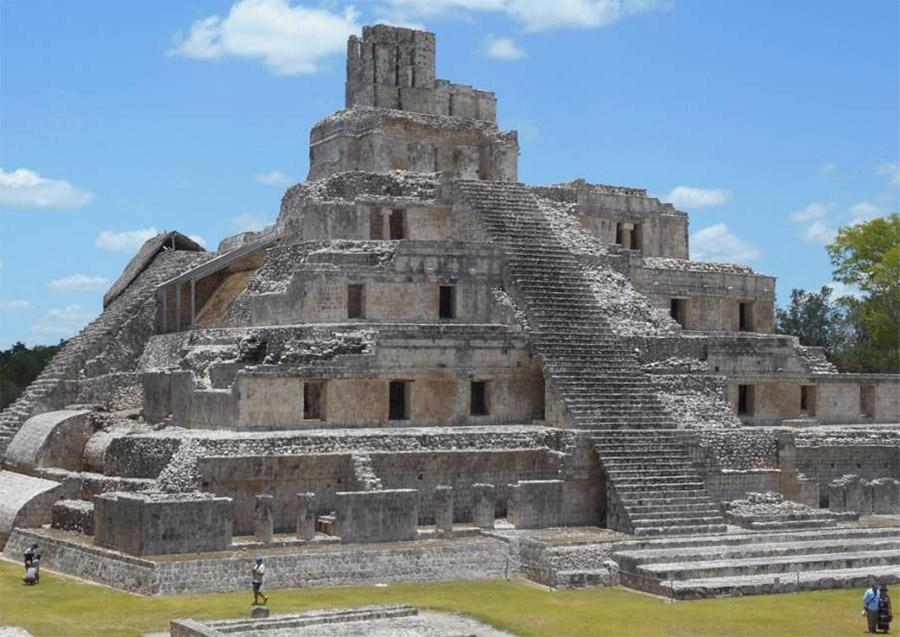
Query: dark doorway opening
x=678 y=310
x=745 y=400
x=397 y=224
x=355 y=295
x=478 y=405
x=447 y=302
x=745 y=317
x=313 y=400
x=398 y=400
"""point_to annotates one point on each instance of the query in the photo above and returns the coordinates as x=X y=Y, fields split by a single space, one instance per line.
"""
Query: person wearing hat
x=259 y=570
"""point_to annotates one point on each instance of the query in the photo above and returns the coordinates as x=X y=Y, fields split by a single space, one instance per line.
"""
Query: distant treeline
x=19 y=365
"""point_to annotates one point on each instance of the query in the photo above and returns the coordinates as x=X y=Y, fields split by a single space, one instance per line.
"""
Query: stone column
x=265 y=518
x=626 y=235
x=306 y=516
x=484 y=505
x=443 y=510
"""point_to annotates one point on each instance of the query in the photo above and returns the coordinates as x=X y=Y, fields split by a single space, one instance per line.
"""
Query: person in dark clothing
x=885 y=615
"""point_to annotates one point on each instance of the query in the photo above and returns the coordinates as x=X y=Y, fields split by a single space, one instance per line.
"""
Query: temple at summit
x=427 y=370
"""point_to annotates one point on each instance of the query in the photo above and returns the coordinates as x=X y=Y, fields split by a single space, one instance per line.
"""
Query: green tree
x=812 y=316
x=868 y=255
x=19 y=366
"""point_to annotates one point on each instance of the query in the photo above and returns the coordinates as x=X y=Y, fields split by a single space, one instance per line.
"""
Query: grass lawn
x=64 y=606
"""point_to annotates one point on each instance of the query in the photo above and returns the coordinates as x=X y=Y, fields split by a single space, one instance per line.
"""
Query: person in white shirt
x=259 y=570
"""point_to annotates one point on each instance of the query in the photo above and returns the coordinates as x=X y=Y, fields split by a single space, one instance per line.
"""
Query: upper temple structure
x=423 y=347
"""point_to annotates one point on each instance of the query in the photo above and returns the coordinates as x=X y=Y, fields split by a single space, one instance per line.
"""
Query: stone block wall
x=536 y=504
x=242 y=478
x=461 y=469
x=158 y=523
x=27 y=501
x=424 y=561
x=712 y=297
x=377 y=516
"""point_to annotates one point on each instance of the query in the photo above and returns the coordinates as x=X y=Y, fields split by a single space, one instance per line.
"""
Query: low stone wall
x=536 y=504
x=242 y=478
x=422 y=561
x=851 y=493
x=725 y=486
x=74 y=515
x=426 y=470
x=161 y=523
x=377 y=516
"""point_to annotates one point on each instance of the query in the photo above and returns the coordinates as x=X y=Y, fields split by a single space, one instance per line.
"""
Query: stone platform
x=399 y=620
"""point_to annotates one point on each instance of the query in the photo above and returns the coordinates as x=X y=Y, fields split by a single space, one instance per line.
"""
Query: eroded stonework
x=420 y=340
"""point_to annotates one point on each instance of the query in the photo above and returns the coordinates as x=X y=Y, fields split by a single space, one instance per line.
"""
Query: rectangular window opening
x=398 y=224
x=867 y=401
x=807 y=400
x=619 y=233
x=745 y=316
x=678 y=310
x=447 y=302
x=479 y=402
x=398 y=397
x=746 y=396
x=355 y=301
x=313 y=400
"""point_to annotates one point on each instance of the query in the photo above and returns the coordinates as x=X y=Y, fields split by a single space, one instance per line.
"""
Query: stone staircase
x=53 y=388
x=653 y=487
x=760 y=563
x=591 y=371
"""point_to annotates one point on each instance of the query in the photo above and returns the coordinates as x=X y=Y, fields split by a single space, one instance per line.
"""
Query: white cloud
x=718 y=243
x=23 y=188
x=819 y=231
x=63 y=323
x=196 y=238
x=815 y=210
x=863 y=211
x=77 y=283
x=16 y=307
x=891 y=172
x=503 y=49
x=250 y=223
x=274 y=178
x=536 y=15
x=288 y=39
x=839 y=289
x=690 y=197
x=828 y=167
x=127 y=241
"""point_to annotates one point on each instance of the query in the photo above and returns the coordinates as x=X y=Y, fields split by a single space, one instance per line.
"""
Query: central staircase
x=651 y=486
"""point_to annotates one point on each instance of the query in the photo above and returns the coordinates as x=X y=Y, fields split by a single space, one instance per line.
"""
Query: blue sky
x=772 y=123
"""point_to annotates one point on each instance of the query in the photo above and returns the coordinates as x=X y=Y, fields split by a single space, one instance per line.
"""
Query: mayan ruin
x=426 y=371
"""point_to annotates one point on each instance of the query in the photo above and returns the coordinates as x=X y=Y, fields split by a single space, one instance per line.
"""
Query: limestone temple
x=426 y=370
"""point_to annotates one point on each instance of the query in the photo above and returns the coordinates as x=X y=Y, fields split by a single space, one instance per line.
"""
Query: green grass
x=65 y=606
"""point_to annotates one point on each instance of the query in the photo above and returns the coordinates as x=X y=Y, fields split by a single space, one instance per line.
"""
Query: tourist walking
x=258 y=572
x=870 y=607
x=885 y=615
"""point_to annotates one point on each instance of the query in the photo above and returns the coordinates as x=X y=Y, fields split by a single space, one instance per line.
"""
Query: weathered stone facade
x=419 y=340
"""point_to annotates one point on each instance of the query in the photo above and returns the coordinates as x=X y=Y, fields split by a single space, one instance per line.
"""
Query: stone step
x=634 y=558
x=676 y=529
x=847 y=534
x=768 y=583
x=705 y=569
